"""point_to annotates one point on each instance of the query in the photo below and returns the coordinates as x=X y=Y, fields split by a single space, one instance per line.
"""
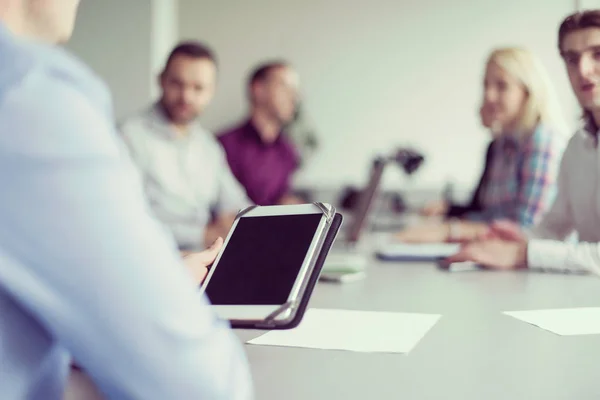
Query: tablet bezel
x=261 y=312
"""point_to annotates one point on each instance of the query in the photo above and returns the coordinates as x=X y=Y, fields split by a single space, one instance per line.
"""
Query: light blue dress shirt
x=186 y=178
x=85 y=271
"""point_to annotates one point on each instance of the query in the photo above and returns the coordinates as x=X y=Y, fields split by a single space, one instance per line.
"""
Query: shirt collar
x=252 y=133
x=589 y=138
x=509 y=144
x=4 y=30
x=6 y=35
x=161 y=124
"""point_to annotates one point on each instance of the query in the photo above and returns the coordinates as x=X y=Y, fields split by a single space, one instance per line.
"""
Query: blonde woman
x=521 y=110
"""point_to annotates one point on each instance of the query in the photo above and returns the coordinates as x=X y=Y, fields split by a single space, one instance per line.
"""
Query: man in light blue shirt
x=85 y=271
x=187 y=180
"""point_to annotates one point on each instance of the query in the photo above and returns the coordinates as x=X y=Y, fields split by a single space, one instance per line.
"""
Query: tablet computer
x=261 y=275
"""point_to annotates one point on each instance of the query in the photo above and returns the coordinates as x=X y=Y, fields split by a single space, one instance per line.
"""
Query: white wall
x=164 y=36
x=378 y=73
x=125 y=42
x=588 y=4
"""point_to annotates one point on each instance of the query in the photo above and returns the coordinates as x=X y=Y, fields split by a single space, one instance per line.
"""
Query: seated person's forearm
x=212 y=233
x=464 y=231
x=219 y=228
x=564 y=256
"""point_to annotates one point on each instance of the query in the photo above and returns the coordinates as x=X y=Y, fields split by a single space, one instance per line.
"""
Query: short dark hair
x=262 y=72
x=576 y=22
x=191 y=49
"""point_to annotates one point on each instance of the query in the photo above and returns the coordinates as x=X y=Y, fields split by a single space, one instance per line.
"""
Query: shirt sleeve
x=557 y=223
x=293 y=157
x=82 y=254
x=179 y=224
x=232 y=195
x=547 y=249
x=554 y=255
x=537 y=181
x=134 y=144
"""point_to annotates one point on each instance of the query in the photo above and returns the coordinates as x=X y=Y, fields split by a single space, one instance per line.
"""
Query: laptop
x=345 y=254
x=350 y=237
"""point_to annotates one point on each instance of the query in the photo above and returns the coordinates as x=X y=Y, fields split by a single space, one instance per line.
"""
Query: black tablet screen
x=262 y=260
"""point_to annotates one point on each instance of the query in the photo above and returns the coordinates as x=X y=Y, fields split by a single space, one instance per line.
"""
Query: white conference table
x=473 y=352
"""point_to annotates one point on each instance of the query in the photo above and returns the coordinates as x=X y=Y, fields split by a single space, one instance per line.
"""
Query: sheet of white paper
x=565 y=322
x=345 y=261
x=361 y=331
x=420 y=249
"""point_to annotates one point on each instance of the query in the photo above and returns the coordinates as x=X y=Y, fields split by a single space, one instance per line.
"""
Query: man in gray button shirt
x=186 y=176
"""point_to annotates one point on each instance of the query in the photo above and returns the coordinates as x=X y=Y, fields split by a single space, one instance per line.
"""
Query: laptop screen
x=366 y=201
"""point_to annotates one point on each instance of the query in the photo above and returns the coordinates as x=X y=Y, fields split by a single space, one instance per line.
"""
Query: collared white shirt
x=186 y=179
x=576 y=209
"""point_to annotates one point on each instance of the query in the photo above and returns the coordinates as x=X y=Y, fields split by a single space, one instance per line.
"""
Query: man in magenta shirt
x=260 y=155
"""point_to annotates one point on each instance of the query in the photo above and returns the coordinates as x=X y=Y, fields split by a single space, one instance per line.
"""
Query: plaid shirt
x=521 y=181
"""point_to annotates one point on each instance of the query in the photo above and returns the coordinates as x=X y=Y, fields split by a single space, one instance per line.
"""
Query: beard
x=176 y=116
x=282 y=118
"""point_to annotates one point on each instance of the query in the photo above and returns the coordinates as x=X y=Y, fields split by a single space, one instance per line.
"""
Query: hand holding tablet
x=269 y=264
